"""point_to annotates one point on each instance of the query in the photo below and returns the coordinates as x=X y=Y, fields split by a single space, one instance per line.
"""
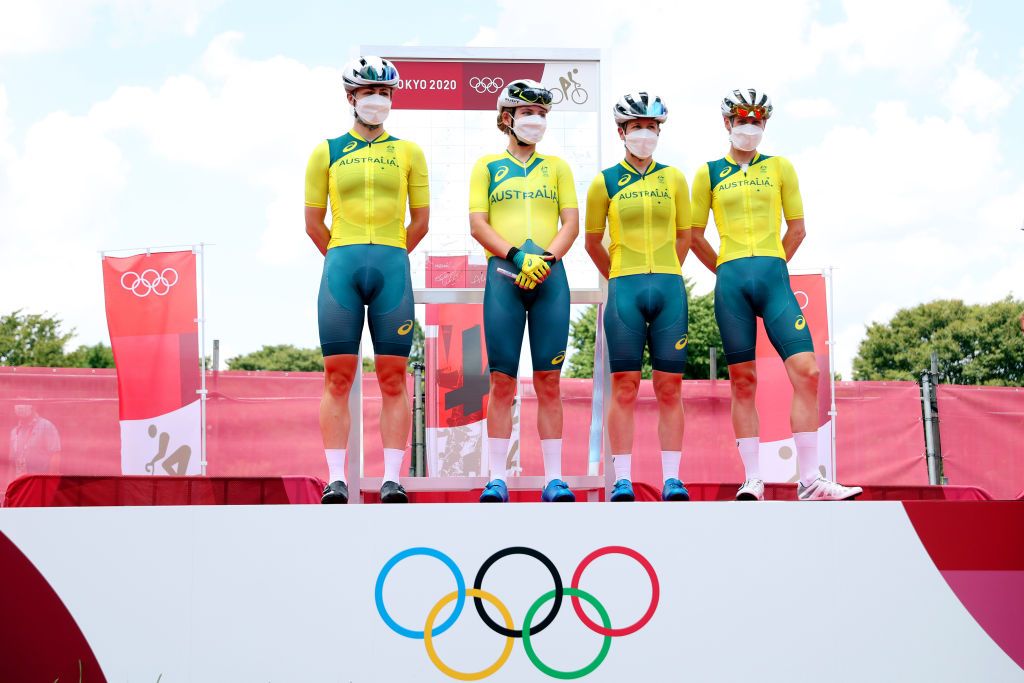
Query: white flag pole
x=202 y=355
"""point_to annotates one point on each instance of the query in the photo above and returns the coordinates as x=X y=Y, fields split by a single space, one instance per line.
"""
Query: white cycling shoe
x=825 y=489
x=752 y=489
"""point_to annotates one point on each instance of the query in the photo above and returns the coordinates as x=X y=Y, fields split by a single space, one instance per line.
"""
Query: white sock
x=622 y=464
x=497 y=456
x=670 y=464
x=750 y=454
x=393 y=463
x=552 y=449
x=336 y=464
x=807 y=456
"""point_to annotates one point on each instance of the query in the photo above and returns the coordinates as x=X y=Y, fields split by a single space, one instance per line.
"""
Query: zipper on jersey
x=747 y=213
x=367 y=192
x=648 y=233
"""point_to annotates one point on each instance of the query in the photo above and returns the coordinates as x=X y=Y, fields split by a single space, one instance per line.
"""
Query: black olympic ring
x=555 y=606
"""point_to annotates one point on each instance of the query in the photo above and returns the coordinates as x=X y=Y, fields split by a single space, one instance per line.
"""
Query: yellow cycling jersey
x=644 y=213
x=748 y=204
x=367 y=184
x=522 y=200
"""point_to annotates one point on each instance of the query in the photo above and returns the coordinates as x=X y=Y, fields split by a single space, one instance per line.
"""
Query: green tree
x=32 y=339
x=976 y=344
x=279 y=357
x=702 y=335
x=95 y=356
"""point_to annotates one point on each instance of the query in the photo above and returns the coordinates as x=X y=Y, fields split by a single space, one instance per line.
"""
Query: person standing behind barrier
x=749 y=193
x=34 y=443
x=647 y=208
x=516 y=201
x=367 y=176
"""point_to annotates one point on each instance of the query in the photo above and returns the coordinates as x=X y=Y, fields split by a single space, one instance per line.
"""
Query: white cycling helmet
x=639 y=105
x=369 y=72
x=522 y=92
x=747 y=102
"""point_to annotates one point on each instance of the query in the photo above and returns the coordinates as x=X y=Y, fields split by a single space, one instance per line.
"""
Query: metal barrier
x=591 y=483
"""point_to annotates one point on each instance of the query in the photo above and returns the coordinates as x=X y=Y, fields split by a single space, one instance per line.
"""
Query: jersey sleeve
x=317 y=171
x=700 y=198
x=479 y=182
x=792 y=203
x=566 y=187
x=597 y=205
x=419 y=183
x=682 y=202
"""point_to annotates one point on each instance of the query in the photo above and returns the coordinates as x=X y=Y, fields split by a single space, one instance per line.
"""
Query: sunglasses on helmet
x=372 y=73
x=744 y=111
x=531 y=94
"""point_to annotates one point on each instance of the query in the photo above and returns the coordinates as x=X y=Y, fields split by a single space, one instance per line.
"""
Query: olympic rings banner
x=696 y=592
x=530 y=628
x=152 y=318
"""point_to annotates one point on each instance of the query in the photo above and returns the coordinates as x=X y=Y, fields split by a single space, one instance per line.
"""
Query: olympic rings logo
x=486 y=84
x=150 y=282
x=530 y=629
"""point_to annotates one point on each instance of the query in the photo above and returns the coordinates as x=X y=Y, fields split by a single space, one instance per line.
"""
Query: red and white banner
x=475 y=84
x=152 y=318
x=775 y=393
x=457 y=374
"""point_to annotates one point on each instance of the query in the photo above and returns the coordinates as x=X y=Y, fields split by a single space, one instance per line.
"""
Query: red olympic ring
x=655 y=591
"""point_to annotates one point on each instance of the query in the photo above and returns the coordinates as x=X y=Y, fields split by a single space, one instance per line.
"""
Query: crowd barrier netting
x=266 y=424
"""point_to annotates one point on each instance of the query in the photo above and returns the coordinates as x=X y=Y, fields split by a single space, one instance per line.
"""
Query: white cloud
x=51 y=25
x=900 y=36
x=812 y=108
x=972 y=91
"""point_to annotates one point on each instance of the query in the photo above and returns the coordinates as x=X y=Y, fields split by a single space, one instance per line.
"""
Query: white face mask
x=746 y=137
x=641 y=142
x=530 y=129
x=373 y=109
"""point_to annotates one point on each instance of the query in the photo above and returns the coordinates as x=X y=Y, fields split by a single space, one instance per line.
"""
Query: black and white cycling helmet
x=747 y=102
x=369 y=72
x=639 y=105
x=522 y=92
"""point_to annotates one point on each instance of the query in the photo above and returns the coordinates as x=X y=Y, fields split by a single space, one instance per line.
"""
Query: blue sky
x=137 y=122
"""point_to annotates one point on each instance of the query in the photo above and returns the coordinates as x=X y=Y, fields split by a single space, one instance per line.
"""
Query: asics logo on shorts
x=406 y=328
x=681 y=344
x=150 y=281
x=486 y=84
x=800 y=323
x=558 y=359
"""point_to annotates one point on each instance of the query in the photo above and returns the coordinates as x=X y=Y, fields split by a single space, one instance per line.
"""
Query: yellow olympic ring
x=428 y=640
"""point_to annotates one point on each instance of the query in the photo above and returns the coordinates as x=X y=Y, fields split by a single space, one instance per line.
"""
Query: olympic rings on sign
x=509 y=631
x=428 y=641
x=655 y=591
x=518 y=550
x=150 y=281
x=378 y=592
x=486 y=84
x=576 y=594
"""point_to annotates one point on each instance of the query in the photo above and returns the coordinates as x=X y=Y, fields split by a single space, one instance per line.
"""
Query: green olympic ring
x=555 y=673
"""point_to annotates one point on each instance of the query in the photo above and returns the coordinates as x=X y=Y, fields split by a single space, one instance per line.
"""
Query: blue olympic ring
x=378 y=592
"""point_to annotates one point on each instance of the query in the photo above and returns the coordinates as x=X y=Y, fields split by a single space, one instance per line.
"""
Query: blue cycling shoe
x=674 y=490
x=622 y=491
x=495 y=492
x=557 y=491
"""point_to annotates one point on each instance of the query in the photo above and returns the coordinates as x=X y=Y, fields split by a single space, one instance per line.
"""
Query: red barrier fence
x=266 y=424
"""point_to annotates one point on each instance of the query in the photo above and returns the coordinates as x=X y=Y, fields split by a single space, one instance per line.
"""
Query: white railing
x=591 y=483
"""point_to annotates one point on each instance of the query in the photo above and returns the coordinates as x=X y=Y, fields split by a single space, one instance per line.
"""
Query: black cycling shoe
x=335 y=493
x=393 y=492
